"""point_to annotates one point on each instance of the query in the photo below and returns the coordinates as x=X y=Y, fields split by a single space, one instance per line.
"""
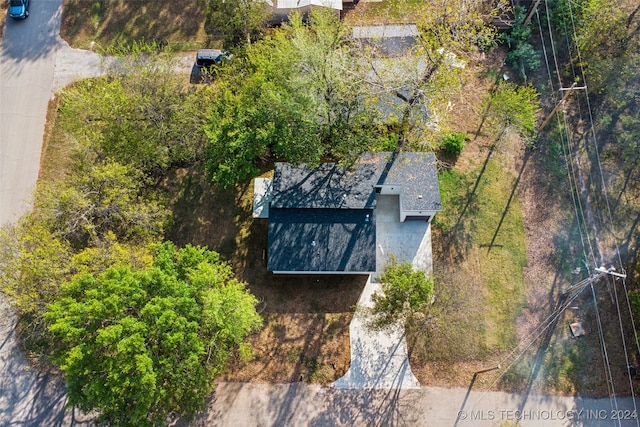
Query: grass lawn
x=387 y=12
x=180 y=24
x=499 y=253
x=479 y=250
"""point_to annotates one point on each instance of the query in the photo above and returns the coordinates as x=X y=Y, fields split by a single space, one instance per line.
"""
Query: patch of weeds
x=332 y=330
x=279 y=330
x=492 y=73
x=311 y=364
x=97 y=16
x=454 y=194
x=293 y=355
x=245 y=353
x=388 y=143
x=517 y=375
x=315 y=307
x=323 y=375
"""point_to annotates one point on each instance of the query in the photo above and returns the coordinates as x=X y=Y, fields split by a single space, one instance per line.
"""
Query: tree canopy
x=137 y=344
x=140 y=114
x=297 y=95
x=404 y=292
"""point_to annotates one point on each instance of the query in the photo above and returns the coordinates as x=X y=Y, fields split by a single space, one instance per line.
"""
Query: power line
x=553 y=49
x=610 y=217
x=574 y=184
x=542 y=327
x=544 y=50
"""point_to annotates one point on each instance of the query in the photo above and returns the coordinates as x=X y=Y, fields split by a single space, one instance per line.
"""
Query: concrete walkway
x=379 y=359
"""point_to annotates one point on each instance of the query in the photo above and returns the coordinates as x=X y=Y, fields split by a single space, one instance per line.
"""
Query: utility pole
x=597 y=274
x=566 y=91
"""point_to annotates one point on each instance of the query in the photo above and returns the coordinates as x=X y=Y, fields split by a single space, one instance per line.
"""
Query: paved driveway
x=379 y=359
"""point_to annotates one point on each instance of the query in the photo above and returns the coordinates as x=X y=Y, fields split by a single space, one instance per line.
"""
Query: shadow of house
x=322 y=220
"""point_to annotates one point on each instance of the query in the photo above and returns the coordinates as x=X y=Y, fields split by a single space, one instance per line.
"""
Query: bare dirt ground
x=306 y=332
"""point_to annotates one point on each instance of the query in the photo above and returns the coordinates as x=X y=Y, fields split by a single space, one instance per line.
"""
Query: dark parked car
x=18 y=9
x=206 y=59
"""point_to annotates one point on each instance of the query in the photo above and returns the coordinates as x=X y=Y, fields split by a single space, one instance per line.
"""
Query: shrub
x=453 y=143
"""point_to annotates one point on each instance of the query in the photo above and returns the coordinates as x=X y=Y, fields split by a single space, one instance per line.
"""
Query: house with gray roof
x=322 y=220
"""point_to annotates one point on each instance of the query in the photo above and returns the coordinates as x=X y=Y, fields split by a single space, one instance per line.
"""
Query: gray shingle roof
x=308 y=240
x=326 y=186
x=330 y=186
x=417 y=174
x=323 y=218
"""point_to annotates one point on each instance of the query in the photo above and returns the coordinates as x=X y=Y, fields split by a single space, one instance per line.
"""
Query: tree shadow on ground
x=30 y=397
x=115 y=21
x=306 y=331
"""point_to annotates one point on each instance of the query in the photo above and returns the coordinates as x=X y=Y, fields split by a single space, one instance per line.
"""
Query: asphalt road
x=27 y=59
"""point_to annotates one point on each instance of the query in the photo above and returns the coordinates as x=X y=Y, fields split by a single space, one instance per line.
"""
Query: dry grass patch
x=306 y=317
x=295 y=347
x=383 y=12
x=179 y=24
x=56 y=148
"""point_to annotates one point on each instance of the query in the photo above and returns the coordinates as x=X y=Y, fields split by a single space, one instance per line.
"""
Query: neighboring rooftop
x=389 y=40
x=380 y=31
x=299 y=4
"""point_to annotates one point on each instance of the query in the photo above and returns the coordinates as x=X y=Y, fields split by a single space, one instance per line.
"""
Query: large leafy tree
x=298 y=96
x=137 y=344
x=140 y=114
x=99 y=199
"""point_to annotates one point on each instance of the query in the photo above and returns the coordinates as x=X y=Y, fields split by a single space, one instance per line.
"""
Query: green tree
x=140 y=114
x=237 y=20
x=522 y=56
x=513 y=107
x=33 y=263
x=137 y=344
x=297 y=96
x=405 y=292
x=97 y=199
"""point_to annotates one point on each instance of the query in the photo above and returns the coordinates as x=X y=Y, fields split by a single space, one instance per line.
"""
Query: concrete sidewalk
x=299 y=404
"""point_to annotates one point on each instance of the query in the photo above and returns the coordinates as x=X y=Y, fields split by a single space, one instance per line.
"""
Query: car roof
x=209 y=53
